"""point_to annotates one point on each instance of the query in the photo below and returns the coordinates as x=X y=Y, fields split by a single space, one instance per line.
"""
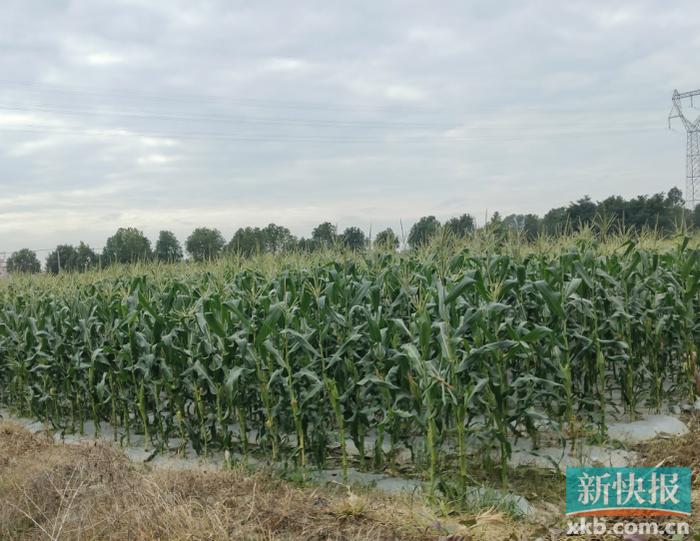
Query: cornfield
x=451 y=352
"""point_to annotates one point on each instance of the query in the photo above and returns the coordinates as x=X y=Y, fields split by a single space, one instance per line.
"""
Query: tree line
x=661 y=212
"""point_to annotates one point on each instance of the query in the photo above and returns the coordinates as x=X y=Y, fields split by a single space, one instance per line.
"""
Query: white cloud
x=368 y=112
x=286 y=65
x=104 y=59
x=388 y=91
x=155 y=159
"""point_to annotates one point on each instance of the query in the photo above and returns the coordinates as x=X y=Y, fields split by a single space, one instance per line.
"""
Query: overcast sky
x=178 y=114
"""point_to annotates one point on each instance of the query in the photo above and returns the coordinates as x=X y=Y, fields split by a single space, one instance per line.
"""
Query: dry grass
x=680 y=451
x=677 y=451
x=62 y=492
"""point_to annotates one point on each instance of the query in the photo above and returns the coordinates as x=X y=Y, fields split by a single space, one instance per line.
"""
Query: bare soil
x=54 y=491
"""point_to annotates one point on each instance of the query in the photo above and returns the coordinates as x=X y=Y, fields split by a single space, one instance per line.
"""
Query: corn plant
x=454 y=351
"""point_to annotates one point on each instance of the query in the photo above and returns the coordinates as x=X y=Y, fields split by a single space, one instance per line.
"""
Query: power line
x=419 y=108
x=229 y=119
x=295 y=138
x=261 y=120
x=190 y=98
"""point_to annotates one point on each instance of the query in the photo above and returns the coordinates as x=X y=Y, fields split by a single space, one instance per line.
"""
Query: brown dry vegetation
x=82 y=492
x=53 y=491
x=677 y=451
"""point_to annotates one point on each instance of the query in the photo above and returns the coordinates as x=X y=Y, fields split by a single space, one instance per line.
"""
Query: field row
x=436 y=352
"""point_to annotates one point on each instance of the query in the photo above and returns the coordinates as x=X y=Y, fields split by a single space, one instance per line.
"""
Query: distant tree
x=658 y=211
x=582 y=212
x=247 y=242
x=23 y=261
x=306 y=245
x=85 y=258
x=127 y=245
x=168 y=249
x=614 y=209
x=532 y=226
x=676 y=204
x=496 y=225
x=461 y=226
x=204 y=244
x=277 y=238
x=526 y=224
x=514 y=221
x=423 y=230
x=387 y=239
x=62 y=259
x=324 y=234
x=354 y=239
x=555 y=221
x=696 y=216
x=649 y=211
x=675 y=197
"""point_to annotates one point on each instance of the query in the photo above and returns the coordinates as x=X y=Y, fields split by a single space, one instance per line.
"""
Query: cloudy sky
x=177 y=114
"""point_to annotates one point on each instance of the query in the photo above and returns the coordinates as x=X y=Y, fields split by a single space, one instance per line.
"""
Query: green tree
x=387 y=239
x=277 y=238
x=306 y=245
x=676 y=207
x=696 y=216
x=168 y=249
x=461 y=226
x=674 y=197
x=85 y=258
x=532 y=226
x=582 y=212
x=354 y=239
x=62 y=259
x=423 y=230
x=127 y=245
x=527 y=224
x=555 y=221
x=325 y=234
x=614 y=213
x=247 y=242
x=205 y=244
x=23 y=261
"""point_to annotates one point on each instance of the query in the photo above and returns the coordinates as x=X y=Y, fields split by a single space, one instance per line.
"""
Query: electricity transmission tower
x=692 y=174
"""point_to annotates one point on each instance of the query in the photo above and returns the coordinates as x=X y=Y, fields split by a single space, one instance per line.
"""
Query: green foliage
x=422 y=231
x=168 y=249
x=325 y=235
x=387 y=240
x=556 y=221
x=85 y=258
x=67 y=258
x=354 y=239
x=205 y=244
x=23 y=261
x=61 y=259
x=250 y=241
x=527 y=225
x=461 y=226
x=447 y=353
x=127 y=245
x=307 y=245
x=582 y=212
x=660 y=212
x=277 y=239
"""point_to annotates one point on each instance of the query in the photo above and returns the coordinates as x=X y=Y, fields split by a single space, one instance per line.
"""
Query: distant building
x=3 y=268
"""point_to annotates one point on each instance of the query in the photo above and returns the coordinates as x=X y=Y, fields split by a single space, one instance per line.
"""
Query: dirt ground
x=53 y=491
x=92 y=491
